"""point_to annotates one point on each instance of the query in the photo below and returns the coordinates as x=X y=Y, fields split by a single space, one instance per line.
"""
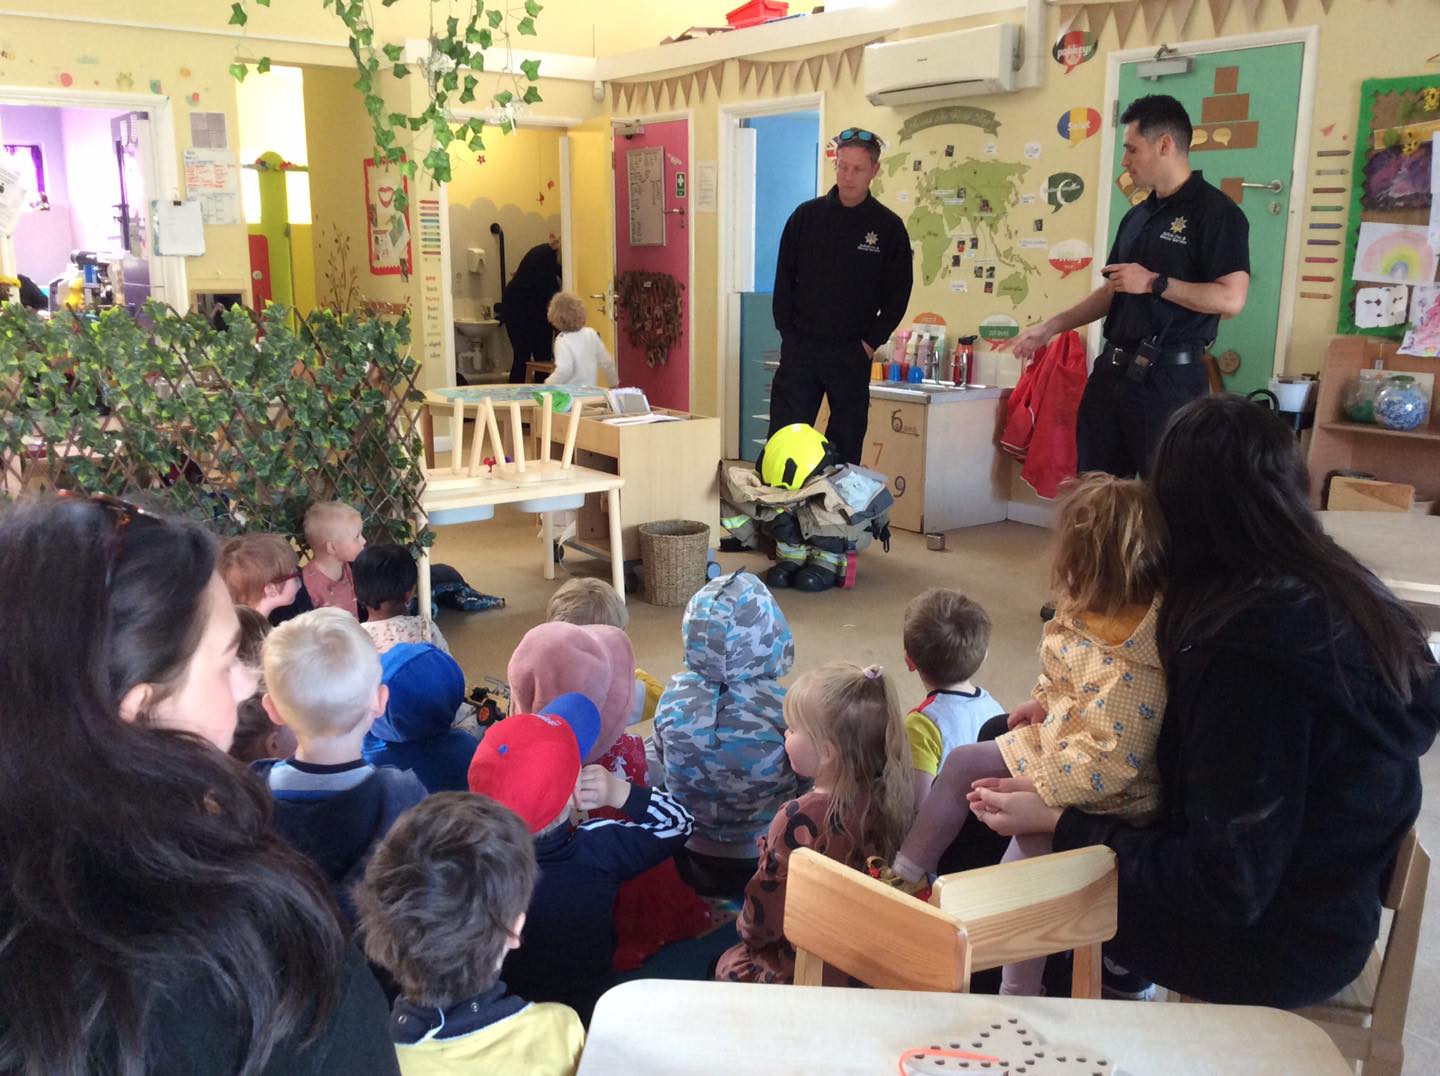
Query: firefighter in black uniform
x=842 y=283
x=1181 y=262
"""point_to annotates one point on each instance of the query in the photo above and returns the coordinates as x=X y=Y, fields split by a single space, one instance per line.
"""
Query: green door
x=1243 y=104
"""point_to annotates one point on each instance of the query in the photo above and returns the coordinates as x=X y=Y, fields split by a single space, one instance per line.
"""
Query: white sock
x=908 y=870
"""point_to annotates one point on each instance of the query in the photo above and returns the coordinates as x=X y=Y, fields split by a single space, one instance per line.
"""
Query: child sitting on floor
x=580 y=354
x=333 y=532
x=720 y=729
x=385 y=580
x=843 y=729
x=256 y=736
x=261 y=571
x=416 y=732
x=593 y=601
x=946 y=637
x=531 y=764
x=597 y=660
x=1088 y=737
x=322 y=680
x=442 y=903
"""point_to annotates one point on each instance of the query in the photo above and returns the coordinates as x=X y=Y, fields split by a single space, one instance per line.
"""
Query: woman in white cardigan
x=580 y=355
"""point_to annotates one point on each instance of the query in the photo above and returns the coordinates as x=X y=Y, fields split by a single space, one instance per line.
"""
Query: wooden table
x=524 y=395
x=478 y=500
x=1402 y=548
x=690 y=1028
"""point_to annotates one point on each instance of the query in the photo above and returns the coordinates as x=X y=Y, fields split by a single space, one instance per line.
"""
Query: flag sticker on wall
x=1078 y=124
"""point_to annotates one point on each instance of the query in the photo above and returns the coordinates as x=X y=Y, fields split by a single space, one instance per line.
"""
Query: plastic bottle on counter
x=963 y=360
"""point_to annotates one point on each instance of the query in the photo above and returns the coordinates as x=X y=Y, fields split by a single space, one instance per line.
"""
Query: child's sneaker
x=881 y=871
x=1121 y=984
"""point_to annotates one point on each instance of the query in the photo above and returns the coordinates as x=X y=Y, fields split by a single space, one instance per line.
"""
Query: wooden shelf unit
x=1338 y=444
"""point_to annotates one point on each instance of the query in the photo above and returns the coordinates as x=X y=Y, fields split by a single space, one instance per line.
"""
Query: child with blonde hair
x=580 y=355
x=333 y=532
x=844 y=730
x=1087 y=738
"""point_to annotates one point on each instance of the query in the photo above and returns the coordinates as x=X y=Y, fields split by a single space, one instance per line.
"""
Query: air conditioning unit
x=966 y=63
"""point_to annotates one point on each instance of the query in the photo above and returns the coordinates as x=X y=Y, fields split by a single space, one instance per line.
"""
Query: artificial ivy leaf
x=503 y=98
x=532 y=8
x=397 y=119
x=451 y=81
x=393 y=52
x=263 y=65
x=531 y=68
x=476 y=144
x=238 y=71
x=263 y=3
x=531 y=95
x=486 y=40
x=238 y=16
x=452 y=27
x=400 y=71
x=526 y=26
x=495 y=18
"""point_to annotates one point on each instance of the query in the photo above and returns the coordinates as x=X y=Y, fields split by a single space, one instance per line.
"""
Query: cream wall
x=519 y=170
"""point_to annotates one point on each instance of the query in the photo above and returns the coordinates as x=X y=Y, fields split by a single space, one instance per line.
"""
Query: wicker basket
x=674 y=553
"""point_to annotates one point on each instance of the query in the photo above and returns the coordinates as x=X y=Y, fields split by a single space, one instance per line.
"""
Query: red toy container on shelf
x=756 y=12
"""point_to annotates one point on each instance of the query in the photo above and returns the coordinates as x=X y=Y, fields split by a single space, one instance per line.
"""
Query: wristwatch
x=1159 y=284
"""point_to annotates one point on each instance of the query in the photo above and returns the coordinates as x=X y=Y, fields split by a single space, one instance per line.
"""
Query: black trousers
x=530 y=339
x=1121 y=421
x=838 y=372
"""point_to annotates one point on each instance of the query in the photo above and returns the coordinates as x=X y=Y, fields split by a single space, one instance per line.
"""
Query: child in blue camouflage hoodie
x=720 y=729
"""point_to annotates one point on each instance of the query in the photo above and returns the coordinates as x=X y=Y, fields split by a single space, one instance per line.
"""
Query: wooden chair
x=975 y=920
x=542 y=468
x=1367 y=1019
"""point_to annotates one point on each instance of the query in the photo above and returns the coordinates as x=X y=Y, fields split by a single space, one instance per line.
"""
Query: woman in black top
x=150 y=920
x=1301 y=696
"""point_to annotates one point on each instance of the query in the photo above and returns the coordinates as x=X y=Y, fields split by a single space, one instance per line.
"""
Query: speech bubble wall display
x=1078 y=124
x=1074 y=48
x=1062 y=188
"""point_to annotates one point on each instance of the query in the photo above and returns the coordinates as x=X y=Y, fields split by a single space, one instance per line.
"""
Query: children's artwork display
x=387 y=227
x=1393 y=254
x=1391 y=237
x=1423 y=336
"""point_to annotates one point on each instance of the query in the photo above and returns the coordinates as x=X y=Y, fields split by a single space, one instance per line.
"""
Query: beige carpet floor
x=1003 y=566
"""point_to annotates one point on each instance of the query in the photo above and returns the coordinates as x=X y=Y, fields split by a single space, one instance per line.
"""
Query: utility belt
x=1136 y=361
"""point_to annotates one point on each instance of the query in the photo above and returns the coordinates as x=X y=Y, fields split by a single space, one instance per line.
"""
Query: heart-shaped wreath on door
x=650 y=304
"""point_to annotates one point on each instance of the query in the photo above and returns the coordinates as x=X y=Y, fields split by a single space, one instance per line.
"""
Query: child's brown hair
x=442 y=893
x=1110 y=545
x=852 y=717
x=946 y=636
x=587 y=601
x=251 y=562
x=566 y=312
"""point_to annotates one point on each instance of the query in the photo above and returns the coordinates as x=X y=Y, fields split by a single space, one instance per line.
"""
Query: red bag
x=1040 y=414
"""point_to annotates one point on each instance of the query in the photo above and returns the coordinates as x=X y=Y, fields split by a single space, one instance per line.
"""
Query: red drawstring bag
x=1040 y=414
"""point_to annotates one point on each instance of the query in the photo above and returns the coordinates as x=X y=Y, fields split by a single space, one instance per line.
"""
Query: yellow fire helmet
x=793 y=454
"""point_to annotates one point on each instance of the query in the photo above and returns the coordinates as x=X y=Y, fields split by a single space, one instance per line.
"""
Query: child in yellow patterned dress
x=1088 y=736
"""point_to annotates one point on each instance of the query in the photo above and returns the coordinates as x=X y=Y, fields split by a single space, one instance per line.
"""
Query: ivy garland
x=451 y=74
x=652 y=308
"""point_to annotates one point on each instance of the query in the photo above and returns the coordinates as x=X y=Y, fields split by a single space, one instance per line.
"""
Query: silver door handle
x=1274 y=185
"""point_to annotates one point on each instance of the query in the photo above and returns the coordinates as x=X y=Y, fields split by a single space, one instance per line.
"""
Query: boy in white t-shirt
x=946 y=638
x=580 y=355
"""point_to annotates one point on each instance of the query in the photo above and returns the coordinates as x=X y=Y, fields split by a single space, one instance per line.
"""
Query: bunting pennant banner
x=1290 y=6
x=832 y=65
x=852 y=60
x=1154 y=12
x=1180 y=11
x=1068 y=14
x=1218 y=10
x=1252 y=9
x=1125 y=18
x=1096 y=16
x=687 y=86
x=746 y=68
x=813 y=66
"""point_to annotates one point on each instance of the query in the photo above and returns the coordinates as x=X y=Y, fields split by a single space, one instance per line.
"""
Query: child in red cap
x=531 y=764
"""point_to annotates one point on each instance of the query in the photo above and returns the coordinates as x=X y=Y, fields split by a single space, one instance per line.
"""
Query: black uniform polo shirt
x=1196 y=235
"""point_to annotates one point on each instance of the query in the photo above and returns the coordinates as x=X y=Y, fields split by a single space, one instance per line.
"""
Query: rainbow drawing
x=1394 y=254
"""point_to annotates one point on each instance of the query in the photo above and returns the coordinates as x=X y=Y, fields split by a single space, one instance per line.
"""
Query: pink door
x=652 y=233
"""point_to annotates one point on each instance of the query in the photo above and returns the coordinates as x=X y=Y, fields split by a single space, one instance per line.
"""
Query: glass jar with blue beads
x=1401 y=404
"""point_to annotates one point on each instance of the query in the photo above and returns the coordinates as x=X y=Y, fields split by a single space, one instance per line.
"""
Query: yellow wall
x=519 y=170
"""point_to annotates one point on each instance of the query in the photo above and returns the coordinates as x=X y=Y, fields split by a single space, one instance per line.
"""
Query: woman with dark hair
x=1301 y=696
x=150 y=920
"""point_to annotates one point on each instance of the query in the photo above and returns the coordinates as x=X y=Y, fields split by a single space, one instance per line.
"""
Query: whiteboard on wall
x=645 y=175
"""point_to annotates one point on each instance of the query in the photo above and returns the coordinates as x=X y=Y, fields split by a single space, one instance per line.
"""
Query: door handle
x=1275 y=186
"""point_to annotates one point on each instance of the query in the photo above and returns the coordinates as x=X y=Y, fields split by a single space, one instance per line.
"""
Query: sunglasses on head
x=123 y=513
x=856 y=134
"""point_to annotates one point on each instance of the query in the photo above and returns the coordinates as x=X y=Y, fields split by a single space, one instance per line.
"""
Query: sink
x=473 y=329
